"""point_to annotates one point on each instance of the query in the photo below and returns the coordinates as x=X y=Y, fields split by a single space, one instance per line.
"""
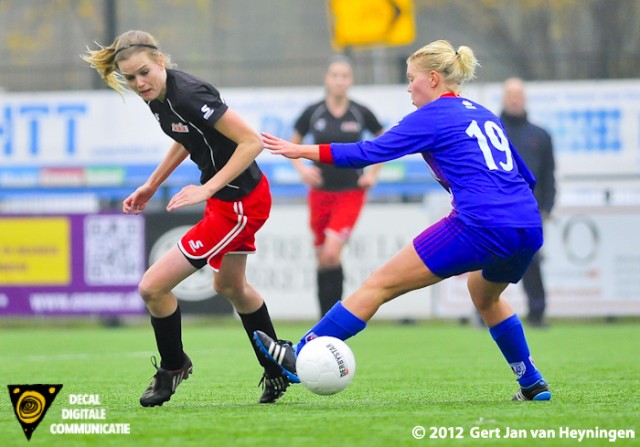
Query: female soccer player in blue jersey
x=492 y=232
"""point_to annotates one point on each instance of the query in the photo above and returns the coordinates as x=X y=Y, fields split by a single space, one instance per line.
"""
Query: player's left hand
x=189 y=195
x=279 y=146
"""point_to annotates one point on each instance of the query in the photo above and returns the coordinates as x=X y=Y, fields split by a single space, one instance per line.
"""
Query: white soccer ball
x=325 y=365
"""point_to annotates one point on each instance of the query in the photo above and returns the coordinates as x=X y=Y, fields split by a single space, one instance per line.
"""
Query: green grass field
x=428 y=374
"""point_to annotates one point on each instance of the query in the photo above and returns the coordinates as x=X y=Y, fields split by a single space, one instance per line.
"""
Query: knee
x=329 y=259
x=149 y=290
x=482 y=301
x=227 y=289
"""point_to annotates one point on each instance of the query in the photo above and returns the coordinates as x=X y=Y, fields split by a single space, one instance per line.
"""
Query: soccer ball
x=325 y=365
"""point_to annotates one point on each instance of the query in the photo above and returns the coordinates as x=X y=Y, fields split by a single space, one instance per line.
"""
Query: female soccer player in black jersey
x=237 y=196
x=336 y=196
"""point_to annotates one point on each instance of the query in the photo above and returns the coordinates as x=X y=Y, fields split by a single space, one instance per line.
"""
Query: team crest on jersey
x=179 y=127
x=320 y=124
x=350 y=126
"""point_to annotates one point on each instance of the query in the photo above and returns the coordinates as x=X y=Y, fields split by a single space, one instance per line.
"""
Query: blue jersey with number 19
x=468 y=153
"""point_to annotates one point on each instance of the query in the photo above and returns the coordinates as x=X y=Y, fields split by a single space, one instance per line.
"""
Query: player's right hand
x=137 y=201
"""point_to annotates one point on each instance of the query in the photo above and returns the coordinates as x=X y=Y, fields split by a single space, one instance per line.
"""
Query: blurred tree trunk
x=552 y=39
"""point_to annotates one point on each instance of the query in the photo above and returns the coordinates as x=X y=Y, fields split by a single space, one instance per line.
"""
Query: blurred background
x=246 y=43
x=71 y=150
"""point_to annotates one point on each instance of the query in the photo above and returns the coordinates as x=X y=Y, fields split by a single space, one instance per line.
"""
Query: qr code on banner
x=113 y=250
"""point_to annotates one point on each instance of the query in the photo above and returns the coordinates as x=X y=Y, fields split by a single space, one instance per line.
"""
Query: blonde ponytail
x=103 y=61
x=456 y=67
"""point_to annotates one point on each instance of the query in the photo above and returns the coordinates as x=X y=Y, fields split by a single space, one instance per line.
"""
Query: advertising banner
x=590 y=265
x=71 y=265
x=283 y=269
x=72 y=138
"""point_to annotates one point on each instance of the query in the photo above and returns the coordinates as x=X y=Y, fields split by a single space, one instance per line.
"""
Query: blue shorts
x=450 y=247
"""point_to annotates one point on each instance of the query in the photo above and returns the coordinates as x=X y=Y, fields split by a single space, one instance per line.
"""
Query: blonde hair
x=105 y=60
x=456 y=67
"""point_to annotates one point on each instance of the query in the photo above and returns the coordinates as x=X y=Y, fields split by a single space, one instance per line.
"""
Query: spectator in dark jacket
x=534 y=145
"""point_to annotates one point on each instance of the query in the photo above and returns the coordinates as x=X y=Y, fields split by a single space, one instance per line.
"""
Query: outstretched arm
x=314 y=152
x=409 y=136
x=310 y=174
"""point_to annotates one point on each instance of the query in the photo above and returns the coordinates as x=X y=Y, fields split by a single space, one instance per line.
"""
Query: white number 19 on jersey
x=498 y=140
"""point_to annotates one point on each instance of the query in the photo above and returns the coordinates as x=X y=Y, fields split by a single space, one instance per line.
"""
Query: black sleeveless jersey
x=187 y=114
x=326 y=128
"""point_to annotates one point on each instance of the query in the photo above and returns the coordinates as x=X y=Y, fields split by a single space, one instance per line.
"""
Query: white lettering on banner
x=284 y=267
x=52 y=302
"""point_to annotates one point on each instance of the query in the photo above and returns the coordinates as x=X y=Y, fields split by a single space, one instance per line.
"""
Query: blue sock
x=509 y=336
x=339 y=322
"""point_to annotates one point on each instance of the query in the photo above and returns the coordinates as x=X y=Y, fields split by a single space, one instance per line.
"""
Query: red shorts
x=227 y=227
x=334 y=212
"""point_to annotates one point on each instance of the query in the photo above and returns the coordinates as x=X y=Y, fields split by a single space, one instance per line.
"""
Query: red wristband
x=325 y=155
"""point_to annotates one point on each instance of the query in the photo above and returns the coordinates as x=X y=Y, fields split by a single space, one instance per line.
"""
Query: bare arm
x=138 y=200
x=291 y=150
x=232 y=126
x=310 y=175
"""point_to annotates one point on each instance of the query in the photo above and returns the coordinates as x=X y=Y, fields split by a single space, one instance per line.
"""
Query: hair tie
x=146 y=45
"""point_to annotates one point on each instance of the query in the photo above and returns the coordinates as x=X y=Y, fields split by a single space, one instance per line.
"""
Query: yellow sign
x=35 y=251
x=371 y=22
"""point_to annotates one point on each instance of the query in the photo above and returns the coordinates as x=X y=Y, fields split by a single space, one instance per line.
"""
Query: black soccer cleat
x=537 y=391
x=273 y=387
x=279 y=352
x=164 y=383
